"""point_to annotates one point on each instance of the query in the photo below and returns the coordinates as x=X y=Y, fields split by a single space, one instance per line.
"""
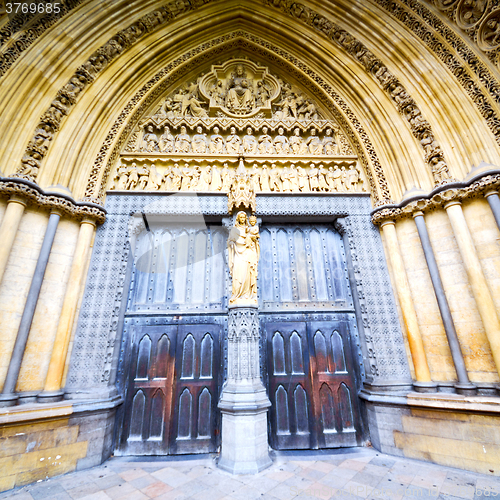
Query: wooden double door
x=172 y=393
x=172 y=371
x=311 y=385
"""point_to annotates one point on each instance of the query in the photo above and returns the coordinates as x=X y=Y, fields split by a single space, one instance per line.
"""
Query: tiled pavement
x=345 y=474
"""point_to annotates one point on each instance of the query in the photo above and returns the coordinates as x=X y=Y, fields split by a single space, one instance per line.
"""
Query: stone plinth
x=244 y=402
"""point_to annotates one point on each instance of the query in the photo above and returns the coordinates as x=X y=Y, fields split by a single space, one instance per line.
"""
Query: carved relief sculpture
x=217 y=144
x=242 y=190
x=233 y=142
x=182 y=142
x=243 y=252
x=240 y=95
x=199 y=143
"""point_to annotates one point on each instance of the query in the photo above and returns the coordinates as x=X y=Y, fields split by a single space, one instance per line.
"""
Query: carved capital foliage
x=441 y=196
x=29 y=191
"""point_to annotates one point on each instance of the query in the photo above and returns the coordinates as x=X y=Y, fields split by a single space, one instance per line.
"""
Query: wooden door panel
x=149 y=395
x=311 y=385
x=333 y=385
x=289 y=385
x=195 y=420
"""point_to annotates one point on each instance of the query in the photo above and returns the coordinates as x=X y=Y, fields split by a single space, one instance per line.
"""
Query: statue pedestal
x=244 y=402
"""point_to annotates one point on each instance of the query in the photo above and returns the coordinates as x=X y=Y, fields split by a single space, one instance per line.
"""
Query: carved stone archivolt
x=473 y=75
x=67 y=96
x=406 y=105
x=23 y=29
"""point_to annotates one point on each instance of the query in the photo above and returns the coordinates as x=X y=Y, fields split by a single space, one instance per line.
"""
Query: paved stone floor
x=346 y=474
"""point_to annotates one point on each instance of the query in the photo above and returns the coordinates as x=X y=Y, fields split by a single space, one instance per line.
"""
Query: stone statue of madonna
x=244 y=250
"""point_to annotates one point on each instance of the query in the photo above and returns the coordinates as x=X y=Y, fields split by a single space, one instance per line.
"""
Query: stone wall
x=452 y=430
x=39 y=443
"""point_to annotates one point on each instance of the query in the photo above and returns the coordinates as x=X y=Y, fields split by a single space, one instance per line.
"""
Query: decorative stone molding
x=472 y=74
x=479 y=19
x=475 y=185
x=404 y=103
x=22 y=30
x=35 y=195
x=153 y=90
x=67 y=96
x=344 y=227
x=243 y=344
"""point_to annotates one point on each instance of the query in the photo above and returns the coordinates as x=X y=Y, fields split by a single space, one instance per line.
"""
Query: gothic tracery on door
x=175 y=321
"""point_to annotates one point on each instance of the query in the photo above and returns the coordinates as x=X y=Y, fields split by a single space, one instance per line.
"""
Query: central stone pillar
x=244 y=402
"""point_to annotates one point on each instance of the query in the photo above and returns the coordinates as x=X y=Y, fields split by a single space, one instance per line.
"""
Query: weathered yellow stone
x=13 y=445
x=7 y=482
x=443 y=415
x=35 y=460
x=24 y=429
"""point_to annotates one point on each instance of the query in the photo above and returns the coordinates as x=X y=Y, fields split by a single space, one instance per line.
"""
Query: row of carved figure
x=212 y=178
x=233 y=144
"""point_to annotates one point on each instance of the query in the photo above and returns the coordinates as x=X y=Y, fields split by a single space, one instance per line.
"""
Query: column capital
x=17 y=198
x=56 y=211
x=490 y=193
x=452 y=203
x=88 y=220
x=418 y=213
x=388 y=223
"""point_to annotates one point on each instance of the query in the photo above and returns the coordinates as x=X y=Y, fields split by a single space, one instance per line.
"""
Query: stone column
x=8 y=397
x=464 y=385
x=494 y=202
x=477 y=280
x=8 y=229
x=244 y=402
x=52 y=389
x=422 y=373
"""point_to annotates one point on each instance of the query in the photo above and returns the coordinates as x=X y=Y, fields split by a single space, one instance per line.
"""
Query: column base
x=425 y=386
x=245 y=449
x=50 y=396
x=8 y=400
x=28 y=397
x=466 y=389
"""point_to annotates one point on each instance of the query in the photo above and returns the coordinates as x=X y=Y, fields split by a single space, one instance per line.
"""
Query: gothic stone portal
x=176 y=318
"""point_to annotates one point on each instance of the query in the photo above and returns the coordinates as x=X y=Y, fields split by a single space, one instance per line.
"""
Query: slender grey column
x=464 y=386
x=8 y=398
x=494 y=201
